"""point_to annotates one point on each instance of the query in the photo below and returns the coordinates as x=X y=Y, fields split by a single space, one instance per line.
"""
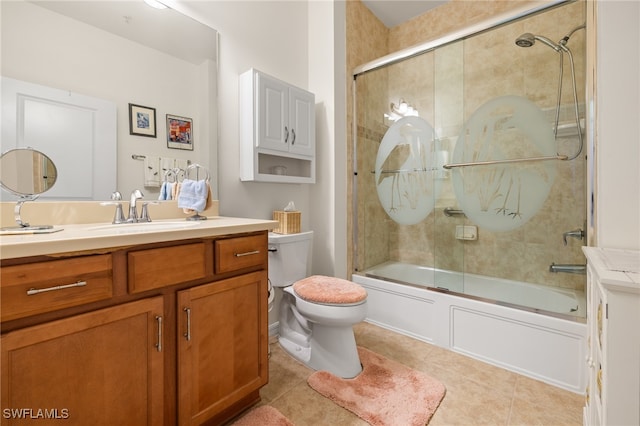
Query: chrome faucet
x=578 y=234
x=136 y=194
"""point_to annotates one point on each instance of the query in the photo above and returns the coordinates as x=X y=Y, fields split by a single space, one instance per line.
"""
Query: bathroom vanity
x=110 y=325
x=613 y=391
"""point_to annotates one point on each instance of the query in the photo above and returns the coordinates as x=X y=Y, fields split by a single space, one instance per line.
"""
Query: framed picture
x=142 y=121
x=179 y=132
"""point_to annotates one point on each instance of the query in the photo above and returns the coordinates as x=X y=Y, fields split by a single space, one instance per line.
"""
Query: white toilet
x=317 y=313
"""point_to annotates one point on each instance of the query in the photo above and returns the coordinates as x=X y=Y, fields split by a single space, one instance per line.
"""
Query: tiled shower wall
x=447 y=86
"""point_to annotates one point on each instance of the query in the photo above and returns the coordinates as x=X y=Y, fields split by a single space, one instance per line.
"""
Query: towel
x=193 y=195
x=152 y=171
x=166 y=164
x=175 y=190
x=180 y=163
x=166 y=191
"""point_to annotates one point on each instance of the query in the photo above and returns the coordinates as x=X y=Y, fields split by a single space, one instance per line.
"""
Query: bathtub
x=535 y=331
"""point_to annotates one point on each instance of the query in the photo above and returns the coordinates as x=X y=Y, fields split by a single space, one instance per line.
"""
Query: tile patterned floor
x=477 y=393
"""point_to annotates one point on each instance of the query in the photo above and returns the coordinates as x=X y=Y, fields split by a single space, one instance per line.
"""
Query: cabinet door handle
x=286 y=134
x=187 y=335
x=248 y=253
x=293 y=134
x=159 y=344
x=33 y=291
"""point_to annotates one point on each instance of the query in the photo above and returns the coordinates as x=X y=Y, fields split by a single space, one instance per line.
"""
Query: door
x=69 y=128
x=100 y=368
x=222 y=345
x=272 y=113
x=302 y=122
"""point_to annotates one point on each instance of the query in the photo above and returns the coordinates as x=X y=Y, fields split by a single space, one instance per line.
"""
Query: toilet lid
x=321 y=289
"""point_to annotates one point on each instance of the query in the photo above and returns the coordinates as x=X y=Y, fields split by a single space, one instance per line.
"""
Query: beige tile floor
x=477 y=393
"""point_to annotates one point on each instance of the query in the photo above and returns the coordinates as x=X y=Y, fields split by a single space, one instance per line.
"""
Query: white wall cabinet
x=277 y=130
x=613 y=393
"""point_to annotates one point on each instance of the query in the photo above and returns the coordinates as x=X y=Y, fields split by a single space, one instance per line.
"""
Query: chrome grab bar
x=384 y=171
x=511 y=160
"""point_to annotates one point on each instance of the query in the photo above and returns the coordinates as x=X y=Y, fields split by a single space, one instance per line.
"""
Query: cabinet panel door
x=99 y=368
x=272 y=113
x=222 y=345
x=302 y=122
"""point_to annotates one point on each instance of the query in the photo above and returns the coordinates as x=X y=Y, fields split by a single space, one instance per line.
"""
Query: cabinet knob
x=286 y=134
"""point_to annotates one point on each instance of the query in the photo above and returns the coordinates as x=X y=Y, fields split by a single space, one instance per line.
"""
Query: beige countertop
x=85 y=226
x=82 y=237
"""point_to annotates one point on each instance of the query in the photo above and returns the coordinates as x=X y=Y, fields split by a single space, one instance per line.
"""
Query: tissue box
x=288 y=222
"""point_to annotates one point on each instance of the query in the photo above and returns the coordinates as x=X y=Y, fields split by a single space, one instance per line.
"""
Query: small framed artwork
x=179 y=132
x=142 y=121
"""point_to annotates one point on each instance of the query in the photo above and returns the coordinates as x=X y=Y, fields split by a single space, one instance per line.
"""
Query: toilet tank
x=289 y=257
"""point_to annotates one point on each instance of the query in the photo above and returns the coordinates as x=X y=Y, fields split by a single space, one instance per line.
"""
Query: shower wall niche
x=447 y=90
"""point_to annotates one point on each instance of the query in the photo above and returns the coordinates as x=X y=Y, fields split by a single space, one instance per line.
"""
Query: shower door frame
x=451 y=37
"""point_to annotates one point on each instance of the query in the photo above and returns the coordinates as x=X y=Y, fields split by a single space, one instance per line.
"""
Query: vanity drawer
x=242 y=252
x=162 y=267
x=36 y=288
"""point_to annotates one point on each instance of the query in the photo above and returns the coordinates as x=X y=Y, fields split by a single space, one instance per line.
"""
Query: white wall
x=43 y=47
x=618 y=125
x=295 y=42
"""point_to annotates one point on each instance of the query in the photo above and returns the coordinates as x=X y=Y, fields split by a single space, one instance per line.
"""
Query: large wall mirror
x=111 y=54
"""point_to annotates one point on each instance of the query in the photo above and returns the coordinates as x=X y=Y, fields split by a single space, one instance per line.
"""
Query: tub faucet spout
x=569 y=269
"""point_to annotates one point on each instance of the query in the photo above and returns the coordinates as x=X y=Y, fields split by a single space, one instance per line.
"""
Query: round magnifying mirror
x=27 y=172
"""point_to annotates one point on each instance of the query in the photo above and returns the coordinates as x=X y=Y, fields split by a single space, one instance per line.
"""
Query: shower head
x=528 y=40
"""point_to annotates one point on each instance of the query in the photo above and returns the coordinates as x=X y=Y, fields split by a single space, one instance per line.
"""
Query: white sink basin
x=129 y=228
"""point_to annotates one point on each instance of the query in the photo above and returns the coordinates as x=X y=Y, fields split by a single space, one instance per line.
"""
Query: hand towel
x=166 y=164
x=175 y=190
x=164 y=191
x=152 y=171
x=193 y=195
x=180 y=163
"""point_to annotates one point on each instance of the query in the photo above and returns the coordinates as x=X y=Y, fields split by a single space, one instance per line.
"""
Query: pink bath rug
x=265 y=415
x=386 y=393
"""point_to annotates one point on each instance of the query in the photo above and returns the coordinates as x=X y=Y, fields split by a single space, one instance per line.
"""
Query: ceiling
x=395 y=12
x=164 y=30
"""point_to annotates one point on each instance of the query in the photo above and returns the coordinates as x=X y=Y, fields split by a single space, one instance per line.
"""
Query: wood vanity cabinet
x=222 y=346
x=99 y=368
x=186 y=344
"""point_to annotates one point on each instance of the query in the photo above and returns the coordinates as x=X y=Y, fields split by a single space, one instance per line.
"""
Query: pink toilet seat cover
x=322 y=289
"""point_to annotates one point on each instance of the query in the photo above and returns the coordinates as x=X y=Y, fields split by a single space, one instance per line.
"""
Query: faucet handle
x=116 y=195
x=578 y=234
x=144 y=215
x=119 y=215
